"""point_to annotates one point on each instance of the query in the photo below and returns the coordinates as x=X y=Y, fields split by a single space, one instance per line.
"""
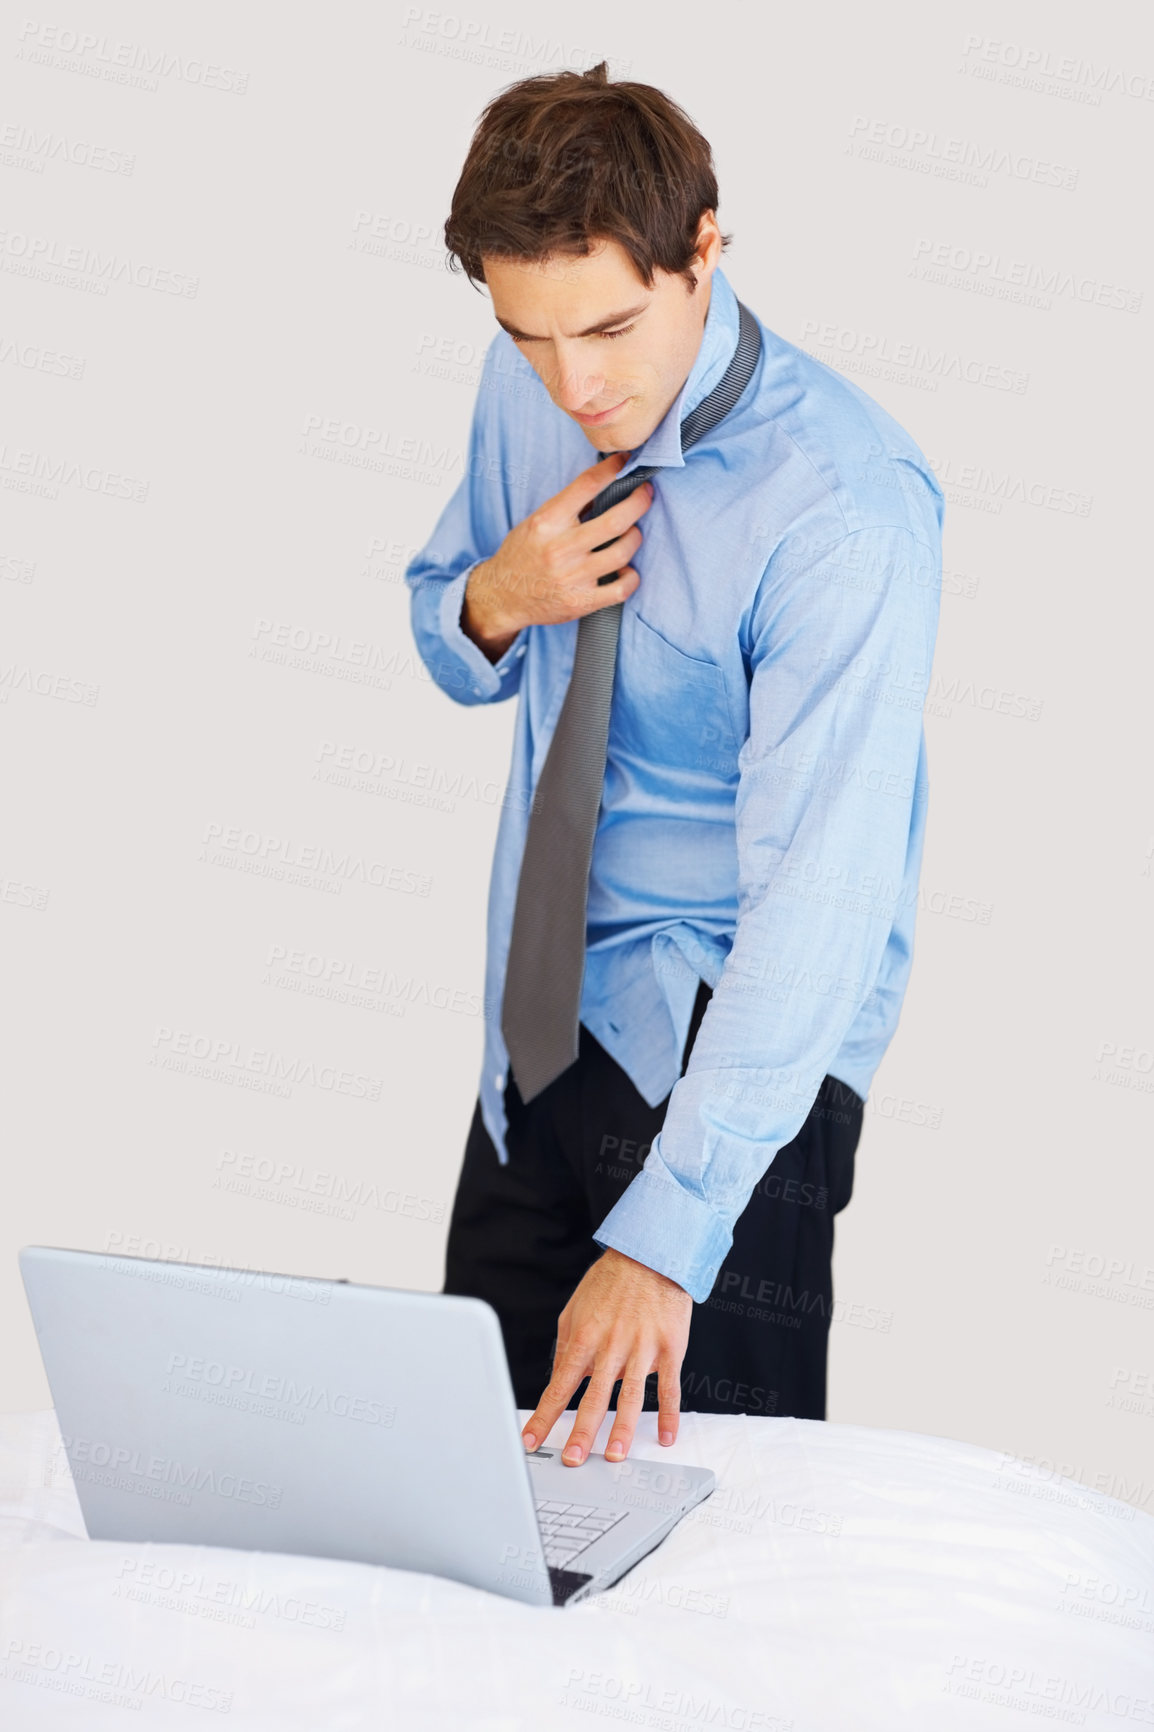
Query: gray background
x=236 y=387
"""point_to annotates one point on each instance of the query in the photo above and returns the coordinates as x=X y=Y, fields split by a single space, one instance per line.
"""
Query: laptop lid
x=211 y=1406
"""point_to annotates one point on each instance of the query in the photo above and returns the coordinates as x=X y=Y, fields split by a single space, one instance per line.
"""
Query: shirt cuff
x=659 y=1223
x=485 y=677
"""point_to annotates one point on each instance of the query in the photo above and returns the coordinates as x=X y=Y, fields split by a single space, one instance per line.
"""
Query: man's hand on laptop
x=623 y=1321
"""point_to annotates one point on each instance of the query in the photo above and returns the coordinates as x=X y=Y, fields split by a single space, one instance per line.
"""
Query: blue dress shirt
x=765 y=793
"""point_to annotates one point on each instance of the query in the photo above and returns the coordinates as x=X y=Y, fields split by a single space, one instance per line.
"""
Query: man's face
x=563 y=314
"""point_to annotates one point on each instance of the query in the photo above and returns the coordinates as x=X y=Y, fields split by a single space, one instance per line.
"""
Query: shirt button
x=520 y=649
x=477 y=691
x=498 y=1079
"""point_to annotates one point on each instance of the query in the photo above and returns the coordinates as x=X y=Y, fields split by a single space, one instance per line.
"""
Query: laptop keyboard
x=568 y=1528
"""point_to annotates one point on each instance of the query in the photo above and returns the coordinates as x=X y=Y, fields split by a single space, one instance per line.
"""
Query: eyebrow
x=592 y=331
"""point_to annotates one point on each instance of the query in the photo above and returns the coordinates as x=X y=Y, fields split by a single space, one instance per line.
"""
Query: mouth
x=596 y=420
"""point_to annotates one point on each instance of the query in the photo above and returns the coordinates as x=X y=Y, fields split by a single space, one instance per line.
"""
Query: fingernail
x=572 y=1455
x=667 y=1437
x=614 y=1451
x=529 y=1440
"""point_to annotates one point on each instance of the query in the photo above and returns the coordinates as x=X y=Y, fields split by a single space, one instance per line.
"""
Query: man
x=653 y=1216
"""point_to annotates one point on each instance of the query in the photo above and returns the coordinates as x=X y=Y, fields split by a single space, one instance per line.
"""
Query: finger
x=599 y=547
x=593 y=1407
x=593 y=567
x=668 y=1396
x=575 y=497
x=563 y=1327
x=569 y=573
x=567 y=1374
x=605 y=592
x=561 y=1342
x=630 y=1401
x=608 y=525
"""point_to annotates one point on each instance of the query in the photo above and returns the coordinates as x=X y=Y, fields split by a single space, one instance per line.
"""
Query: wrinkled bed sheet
x=840 y=1579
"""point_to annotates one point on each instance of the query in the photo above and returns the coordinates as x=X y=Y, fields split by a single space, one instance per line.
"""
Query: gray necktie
x=546 y=966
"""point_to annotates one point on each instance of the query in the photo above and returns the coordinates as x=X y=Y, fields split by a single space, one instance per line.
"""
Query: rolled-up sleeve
x=470 y=529
x=841 y=644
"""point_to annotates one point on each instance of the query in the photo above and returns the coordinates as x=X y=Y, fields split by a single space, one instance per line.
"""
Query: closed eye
x=623 y=332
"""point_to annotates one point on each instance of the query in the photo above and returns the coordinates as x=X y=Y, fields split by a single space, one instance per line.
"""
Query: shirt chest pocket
x=669 y=707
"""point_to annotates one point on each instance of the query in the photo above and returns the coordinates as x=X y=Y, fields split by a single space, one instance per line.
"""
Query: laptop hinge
x=565 y=1583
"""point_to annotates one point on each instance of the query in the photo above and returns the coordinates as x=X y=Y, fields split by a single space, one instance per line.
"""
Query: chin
x=623 y=437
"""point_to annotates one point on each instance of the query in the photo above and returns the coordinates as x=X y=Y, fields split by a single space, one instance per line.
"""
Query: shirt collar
x=718 y=346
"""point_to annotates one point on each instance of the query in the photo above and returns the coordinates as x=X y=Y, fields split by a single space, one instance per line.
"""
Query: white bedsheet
x=839 y=1580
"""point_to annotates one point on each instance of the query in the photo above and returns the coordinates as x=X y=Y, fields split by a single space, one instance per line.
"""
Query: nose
x=572 y=384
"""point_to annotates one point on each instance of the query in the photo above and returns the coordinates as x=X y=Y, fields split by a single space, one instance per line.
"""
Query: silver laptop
x=280 y=1413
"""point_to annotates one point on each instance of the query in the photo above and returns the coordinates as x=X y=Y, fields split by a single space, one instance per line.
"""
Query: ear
x=708 y=245
x=709 y=235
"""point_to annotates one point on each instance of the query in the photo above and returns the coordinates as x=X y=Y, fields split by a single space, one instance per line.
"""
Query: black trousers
x=520 y=1236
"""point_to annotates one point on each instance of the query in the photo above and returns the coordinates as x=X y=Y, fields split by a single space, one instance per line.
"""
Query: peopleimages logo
x=120 y=62
x=36 y=148
x=221 y=1598
x=1046 y=1694
x=992 y=273
x=24 y=470
x=238 y=1382
x=875 y=348
x=114 y=1682
x=25 y=254
x=1042 y=69
x=221 y=1055
x=129 y=1464
x=298 y=1186
x=276 y=856
x=953 y=158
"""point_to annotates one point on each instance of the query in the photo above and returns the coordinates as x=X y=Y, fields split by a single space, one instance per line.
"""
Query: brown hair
x=561 y=161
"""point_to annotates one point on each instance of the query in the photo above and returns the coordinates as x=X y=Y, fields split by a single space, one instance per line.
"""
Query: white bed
x=839 y=1580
